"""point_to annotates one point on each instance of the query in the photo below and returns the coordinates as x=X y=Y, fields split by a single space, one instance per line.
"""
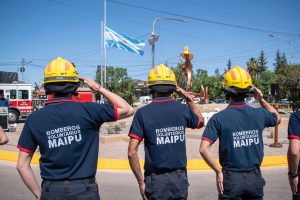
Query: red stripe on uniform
x=237 y=106
x=163 y=100
x=293 y=137
x=135 y=136
x=58 y=101
x=25 y=150
x=115 y=112
x=208 y=140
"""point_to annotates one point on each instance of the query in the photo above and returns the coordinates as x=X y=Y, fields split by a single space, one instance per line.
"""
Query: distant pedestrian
x=67 y=134
x=239 y=128
x=161 y=124
x=294 y=151
x=3 y=101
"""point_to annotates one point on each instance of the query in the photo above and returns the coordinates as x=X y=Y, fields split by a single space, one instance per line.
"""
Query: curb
x=115 y=164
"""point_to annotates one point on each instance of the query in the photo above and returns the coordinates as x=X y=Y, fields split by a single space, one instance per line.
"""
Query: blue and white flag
x=120 y=41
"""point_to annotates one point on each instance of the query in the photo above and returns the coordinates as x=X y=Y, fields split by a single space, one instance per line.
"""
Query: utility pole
x=22 y=69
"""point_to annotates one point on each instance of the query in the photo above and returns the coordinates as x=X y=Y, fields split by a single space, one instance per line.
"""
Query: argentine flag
x=117 y=40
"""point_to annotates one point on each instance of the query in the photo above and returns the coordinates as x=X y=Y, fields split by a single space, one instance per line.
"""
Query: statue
x=186 y=68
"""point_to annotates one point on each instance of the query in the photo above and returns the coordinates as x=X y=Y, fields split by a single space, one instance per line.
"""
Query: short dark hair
x=61 y=88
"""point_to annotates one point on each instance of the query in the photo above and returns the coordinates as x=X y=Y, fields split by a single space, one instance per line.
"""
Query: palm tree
x=253 y=67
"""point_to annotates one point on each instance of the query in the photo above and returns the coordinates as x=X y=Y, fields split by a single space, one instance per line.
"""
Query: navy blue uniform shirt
x=4 y=102
x=239 y=128
x=162 y=125
x=67 y=134
x=294 y=126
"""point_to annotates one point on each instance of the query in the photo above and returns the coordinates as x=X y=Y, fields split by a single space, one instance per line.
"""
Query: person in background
x=3 y=101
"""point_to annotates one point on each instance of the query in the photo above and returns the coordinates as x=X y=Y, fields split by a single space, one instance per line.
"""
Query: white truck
x=19 y=96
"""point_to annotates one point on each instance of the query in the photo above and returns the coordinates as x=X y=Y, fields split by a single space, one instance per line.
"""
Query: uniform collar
x=162 y=99
x=58 y=100
x=237 y=105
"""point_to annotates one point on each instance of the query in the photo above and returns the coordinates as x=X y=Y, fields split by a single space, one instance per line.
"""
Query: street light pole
x=290 y=44
x=155 y=37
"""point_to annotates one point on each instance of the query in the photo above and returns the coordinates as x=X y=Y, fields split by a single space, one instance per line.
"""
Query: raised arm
x=124 y=109
x=259 y=96
x=189 y=100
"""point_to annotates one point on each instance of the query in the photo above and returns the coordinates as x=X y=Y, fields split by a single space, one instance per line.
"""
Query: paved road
x=120 y=185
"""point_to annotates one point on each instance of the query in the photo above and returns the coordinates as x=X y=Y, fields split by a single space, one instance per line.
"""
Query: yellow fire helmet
x=60 y=70
x=237 y=80
x=161 y=75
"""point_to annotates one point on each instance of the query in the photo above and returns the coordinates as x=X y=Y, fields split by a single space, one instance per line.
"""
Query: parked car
x=284 y=101
x=220 y=101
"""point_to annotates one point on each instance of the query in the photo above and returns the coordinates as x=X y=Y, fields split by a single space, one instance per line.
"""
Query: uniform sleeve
x=27 y=142
x=212 y=130
x=102 y=112
x=193 y=120
x=294 y=126
x=137 y=128
x=270 y=118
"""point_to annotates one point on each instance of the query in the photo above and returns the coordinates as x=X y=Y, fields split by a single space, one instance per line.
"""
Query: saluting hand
x=258 y=94
x=219 y=181
x=91 y=83
x=294 y=184
x=184 y=94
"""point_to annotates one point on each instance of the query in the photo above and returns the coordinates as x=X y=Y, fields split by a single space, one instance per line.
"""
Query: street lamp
x=155 y=37
x=291 y=49
x=170 y=59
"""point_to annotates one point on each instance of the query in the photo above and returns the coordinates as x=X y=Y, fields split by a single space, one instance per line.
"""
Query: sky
x=41 y=30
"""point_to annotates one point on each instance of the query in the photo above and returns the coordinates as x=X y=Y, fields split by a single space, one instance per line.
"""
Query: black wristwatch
x=291 y=175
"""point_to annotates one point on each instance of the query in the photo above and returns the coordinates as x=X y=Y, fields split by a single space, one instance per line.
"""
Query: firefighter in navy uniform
x=161 y=125
x=67 y=134
x=239 y=128
x=293 y=153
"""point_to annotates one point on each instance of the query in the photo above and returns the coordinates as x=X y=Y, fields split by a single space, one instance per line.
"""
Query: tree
x=118 y=82
x=180 y=77
x=252 y=67
x=280 y=61
x=229 y=65
x=262 y=63
x=287 y=76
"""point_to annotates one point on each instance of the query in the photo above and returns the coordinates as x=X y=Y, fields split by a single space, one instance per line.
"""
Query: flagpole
x=101 y=58
x=104 y=23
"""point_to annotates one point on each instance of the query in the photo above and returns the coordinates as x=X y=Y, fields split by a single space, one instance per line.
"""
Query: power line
x=202 y=20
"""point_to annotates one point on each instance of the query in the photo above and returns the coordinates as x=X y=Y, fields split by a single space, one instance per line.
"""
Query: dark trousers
x=167 y=186
x=243 y=185
x=70 y=190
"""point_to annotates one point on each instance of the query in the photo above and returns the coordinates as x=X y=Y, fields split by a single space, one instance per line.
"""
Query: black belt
x=68 y=183
x=255 y=170
x=88 y=179
x=163 y=171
